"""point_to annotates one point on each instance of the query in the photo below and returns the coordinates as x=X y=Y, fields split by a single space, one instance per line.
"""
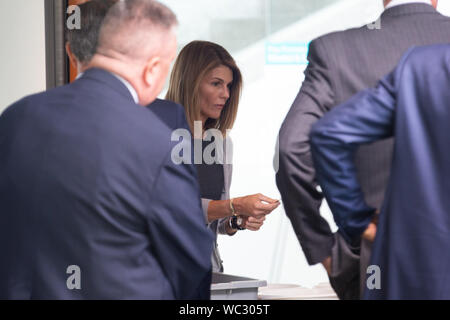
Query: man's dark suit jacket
x=412 y=104
x=340 y=65
x=171 y=113
x=86 y=180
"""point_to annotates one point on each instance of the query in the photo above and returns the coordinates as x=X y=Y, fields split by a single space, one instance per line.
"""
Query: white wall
x=444 y=7
x=22 y=55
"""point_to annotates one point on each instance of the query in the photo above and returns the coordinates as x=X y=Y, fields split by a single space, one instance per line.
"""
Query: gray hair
x=131 y=27
x=83 y=41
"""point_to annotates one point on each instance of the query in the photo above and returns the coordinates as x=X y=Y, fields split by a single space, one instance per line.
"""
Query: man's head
x=434 y=3
x=137 y=42
x=81 y=44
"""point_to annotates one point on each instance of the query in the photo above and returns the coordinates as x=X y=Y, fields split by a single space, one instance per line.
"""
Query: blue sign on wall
x=287 y=53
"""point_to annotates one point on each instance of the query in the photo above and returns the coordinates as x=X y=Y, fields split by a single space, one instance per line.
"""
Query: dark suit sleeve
x=366 y=117
x=296 y=176
x=177 y=226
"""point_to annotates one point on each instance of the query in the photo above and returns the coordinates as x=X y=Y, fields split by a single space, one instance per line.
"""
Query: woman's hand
x=256 y=205
x=253 y=223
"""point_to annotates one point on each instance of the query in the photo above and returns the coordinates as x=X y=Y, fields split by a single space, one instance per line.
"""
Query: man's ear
x=73 y=60
x=152 y=70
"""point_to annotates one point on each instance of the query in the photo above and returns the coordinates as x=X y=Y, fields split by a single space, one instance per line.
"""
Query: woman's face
x=215 y=92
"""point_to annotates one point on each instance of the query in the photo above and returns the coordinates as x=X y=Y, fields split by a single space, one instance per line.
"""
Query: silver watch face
x=239 y=221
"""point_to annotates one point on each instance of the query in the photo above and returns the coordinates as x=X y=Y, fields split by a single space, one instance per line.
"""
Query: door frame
x=57 y=64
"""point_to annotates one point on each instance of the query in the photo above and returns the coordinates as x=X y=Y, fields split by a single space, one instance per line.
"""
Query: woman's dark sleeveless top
x=210 y=177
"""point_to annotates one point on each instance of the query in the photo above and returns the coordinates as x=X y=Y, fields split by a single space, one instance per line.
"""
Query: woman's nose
x=226 y=93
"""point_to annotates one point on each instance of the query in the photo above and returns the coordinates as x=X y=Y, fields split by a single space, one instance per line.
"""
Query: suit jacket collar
x=108 y=79
x=408 y=9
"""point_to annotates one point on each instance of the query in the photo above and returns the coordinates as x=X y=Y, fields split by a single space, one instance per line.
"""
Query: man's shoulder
x=166 y=106
x=24 y=103
x=342 y=35
x=425 y=59
x=434 y=51
x=68 y=95
x=171 y=113
x=383 y=26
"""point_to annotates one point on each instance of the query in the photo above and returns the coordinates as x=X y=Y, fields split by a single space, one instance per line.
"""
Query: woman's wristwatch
x=235 y=222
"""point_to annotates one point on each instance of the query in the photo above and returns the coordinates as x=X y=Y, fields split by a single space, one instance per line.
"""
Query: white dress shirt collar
x=126 y=83
x=129 y=87
x=394 y=3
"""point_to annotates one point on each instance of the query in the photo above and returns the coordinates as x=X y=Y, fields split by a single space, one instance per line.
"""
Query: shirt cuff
x=205 y=205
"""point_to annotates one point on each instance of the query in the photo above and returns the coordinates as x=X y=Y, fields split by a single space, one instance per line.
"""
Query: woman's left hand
x=253 y=223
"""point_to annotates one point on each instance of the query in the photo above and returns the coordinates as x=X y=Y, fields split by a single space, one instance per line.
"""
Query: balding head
x=133 y=28
x=137 y=41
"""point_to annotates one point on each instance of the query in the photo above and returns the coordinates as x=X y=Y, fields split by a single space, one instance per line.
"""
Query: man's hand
x=371 y=231
x=327 y=265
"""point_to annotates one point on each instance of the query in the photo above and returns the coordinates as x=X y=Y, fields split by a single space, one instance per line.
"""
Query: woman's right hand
x=253 y=223
x=256 y=205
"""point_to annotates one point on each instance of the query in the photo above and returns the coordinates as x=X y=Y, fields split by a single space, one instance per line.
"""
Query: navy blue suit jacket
x=86 y=180
x=413 y=237
x=171 y=113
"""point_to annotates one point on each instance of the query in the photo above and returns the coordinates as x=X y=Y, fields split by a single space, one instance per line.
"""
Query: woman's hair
x=193 y=63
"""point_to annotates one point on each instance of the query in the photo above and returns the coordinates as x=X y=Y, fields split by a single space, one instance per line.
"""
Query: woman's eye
x=215 y=84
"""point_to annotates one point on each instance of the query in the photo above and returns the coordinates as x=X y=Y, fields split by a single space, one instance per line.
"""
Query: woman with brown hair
x=207 y=82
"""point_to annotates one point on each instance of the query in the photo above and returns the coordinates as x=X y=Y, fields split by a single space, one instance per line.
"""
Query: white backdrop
x=22 y=55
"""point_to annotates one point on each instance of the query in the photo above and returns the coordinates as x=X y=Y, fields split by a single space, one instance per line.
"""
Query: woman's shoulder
x=228 y=141
x=228 y=149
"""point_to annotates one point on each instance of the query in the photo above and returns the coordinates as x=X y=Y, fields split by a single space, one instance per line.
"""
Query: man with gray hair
x=340 y=65
x=81 y=44
x=92 y=205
